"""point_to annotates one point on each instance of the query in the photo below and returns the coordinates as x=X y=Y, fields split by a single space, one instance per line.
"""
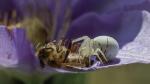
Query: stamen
x=5 y=20
x=66 y=19
x=56 y=13
x=14 y=17
x=1 y=18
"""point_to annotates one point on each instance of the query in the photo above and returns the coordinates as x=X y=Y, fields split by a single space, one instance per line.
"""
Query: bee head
x=52 y=53
x=47 y=52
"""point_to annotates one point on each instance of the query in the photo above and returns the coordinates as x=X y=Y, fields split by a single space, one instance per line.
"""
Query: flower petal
x=139 y=48
x=85 y=6
x=127 y=5
x=24 y=49
x=106 y=6
x=122 y=26
x=6 y=5
x=8 y=53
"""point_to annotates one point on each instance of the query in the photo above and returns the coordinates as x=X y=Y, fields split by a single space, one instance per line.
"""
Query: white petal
x=138 y=50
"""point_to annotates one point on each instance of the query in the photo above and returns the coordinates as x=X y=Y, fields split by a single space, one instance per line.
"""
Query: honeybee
x=51 y=54
x=78 y=52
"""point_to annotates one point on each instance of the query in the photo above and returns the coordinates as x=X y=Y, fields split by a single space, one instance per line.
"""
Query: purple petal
x=24 y=50
x=91 y=24
x=84 y=6
x=6 y=5
x=139 y=48
x=106 y=6
x=127 y=5
x=8 y=53
x=124 y=27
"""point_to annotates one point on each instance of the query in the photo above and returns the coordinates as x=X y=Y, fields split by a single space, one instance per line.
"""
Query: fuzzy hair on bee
x=51 y=54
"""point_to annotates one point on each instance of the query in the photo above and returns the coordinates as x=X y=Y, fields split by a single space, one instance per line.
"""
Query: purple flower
x=124 y=20
x=16 y=51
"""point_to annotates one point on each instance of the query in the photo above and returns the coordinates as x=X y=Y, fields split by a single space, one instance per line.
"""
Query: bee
x=51 y=54
x=78 y=52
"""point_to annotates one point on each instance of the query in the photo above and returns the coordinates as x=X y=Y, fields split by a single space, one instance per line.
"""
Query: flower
x=16 y=51
x=122 y=20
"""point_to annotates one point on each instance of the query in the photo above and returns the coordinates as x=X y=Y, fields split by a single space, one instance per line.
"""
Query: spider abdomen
x=108 y=45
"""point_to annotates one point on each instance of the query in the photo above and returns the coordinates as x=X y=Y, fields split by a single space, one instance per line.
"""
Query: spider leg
x=80 y=59
x=85 y=43
x=85 y=47
x=80 y=39
x=101 y=56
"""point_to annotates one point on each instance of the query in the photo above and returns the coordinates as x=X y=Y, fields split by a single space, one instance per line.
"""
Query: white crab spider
x=104 y=47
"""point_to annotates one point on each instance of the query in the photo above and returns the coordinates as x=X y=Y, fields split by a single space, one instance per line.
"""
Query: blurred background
x=128 y=74
x=45 y=20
